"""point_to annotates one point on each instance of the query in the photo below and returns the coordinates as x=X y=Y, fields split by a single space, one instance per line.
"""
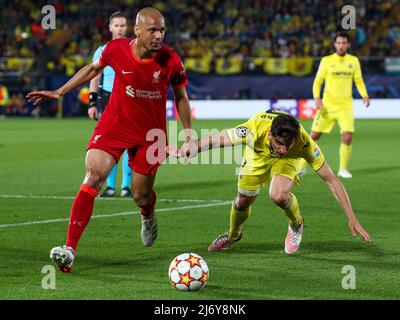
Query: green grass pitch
x=42 y=166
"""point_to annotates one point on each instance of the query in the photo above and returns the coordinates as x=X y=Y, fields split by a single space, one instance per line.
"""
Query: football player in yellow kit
x=275 y=142
x=338 y=71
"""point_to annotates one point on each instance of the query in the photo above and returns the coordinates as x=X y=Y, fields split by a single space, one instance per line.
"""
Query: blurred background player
x=118 y=28
x=4 y=98
x=150 y=67
x=338 y=70
x=274 y=143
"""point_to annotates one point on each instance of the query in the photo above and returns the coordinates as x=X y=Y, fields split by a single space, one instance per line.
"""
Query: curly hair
x=286 y=128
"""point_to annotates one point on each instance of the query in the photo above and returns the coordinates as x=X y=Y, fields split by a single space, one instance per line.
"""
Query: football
x=188 y=272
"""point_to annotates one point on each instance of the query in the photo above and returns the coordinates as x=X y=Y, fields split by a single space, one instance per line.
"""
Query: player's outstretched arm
x=85 y=74
x=220 y=140
x=340 y=193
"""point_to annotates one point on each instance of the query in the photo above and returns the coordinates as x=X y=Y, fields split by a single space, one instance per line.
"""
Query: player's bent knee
x=142 y=200
x=281 y=199
x=242 y=206
x=347 y=137
x=242 y=203
x=94 y=179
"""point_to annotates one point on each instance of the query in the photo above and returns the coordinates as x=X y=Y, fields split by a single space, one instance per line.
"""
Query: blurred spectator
x=243 y=93
x=4 y=98
x=205 y=29
x=17 y=106
x=82 y=104
x=242 y=28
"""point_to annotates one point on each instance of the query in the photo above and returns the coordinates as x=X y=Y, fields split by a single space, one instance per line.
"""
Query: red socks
x=82 y=209
x=81 y=212
x=148 y=211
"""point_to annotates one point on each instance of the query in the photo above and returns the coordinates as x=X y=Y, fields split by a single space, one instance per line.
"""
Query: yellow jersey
x=254 y=134
x=338 y=73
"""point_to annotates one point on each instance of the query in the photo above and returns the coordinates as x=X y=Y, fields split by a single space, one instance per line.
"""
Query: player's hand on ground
x=318 y=103
x=356 y=227
x=189 y=149
x=93 y=113
x=37 y=97
x=366 y=101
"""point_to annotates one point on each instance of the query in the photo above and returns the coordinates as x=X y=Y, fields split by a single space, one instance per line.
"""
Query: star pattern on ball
x=194 y=261
x=204 y=278
x=186 y=279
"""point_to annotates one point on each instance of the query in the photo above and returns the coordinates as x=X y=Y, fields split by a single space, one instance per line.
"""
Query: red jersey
x=138 y=99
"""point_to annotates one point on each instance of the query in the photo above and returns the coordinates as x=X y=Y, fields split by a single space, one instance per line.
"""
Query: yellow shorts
x=325 y=119
x=253 y=178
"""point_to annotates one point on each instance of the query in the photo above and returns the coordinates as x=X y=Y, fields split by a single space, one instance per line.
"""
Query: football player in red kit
x=144 y=68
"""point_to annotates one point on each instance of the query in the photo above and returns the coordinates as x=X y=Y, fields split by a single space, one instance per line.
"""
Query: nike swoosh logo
x=126 y=72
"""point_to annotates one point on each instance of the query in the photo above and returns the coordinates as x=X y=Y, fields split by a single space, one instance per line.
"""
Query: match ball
x=188 y=272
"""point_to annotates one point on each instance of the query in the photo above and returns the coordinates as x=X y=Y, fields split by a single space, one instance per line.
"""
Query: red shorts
x=144 y=158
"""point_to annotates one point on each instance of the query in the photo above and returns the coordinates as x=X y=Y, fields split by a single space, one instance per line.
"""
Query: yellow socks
x=344 y=154
x=292 y=211
x=237 y=219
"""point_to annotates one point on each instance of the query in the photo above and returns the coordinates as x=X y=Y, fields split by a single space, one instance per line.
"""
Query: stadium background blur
x=267 y=49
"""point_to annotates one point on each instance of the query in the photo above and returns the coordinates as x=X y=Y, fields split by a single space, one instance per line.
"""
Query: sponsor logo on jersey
x=341 y=73
x=130 y=91
x=146 y=94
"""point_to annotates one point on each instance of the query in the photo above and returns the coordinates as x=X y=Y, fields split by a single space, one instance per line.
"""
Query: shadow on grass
x=376 y=170
x=355 y=246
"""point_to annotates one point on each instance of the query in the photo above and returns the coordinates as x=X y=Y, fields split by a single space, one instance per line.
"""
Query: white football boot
x=149 y=230
x=224 y=241
x=64 y=257
x=293 y=238
x=344 y=173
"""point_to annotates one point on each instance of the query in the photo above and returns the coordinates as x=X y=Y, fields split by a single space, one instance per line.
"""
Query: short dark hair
x=342 y=34
x=117 y=14
x=286 y=128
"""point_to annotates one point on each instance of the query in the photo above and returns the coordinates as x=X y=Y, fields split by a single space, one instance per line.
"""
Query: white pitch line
x=116 y=214
x=21 y=196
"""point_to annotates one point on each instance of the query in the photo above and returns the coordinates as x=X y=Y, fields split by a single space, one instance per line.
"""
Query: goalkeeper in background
x=338 y=70
x=118 y=28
